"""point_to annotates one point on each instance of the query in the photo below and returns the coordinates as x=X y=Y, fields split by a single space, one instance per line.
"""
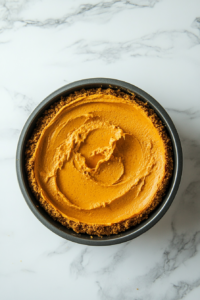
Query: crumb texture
x=93 y=167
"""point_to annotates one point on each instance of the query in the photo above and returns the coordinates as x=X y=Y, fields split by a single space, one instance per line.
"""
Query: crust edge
x=99 y=230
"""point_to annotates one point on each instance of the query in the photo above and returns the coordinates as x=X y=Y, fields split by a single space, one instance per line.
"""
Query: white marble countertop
x=152 y=44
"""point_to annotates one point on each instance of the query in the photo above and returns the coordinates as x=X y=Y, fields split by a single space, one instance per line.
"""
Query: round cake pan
x=56 y=227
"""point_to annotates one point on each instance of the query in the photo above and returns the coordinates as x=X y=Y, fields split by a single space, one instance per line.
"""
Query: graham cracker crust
x=78 y=227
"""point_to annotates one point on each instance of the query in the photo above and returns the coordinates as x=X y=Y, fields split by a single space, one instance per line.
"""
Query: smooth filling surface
x=100 y=160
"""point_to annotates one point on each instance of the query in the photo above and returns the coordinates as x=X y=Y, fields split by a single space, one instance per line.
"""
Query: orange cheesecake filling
x=100 y=160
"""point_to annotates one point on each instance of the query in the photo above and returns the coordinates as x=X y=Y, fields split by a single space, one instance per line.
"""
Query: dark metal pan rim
x=69 y=234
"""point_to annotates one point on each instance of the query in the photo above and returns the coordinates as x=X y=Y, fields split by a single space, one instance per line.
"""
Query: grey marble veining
x=10 y=11
x=148 y=46
x=154 y=45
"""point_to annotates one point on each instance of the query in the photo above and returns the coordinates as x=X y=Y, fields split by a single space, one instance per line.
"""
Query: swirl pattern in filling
x=100 y=160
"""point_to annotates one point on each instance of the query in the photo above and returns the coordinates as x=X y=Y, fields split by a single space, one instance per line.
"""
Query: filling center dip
x=100 y=160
